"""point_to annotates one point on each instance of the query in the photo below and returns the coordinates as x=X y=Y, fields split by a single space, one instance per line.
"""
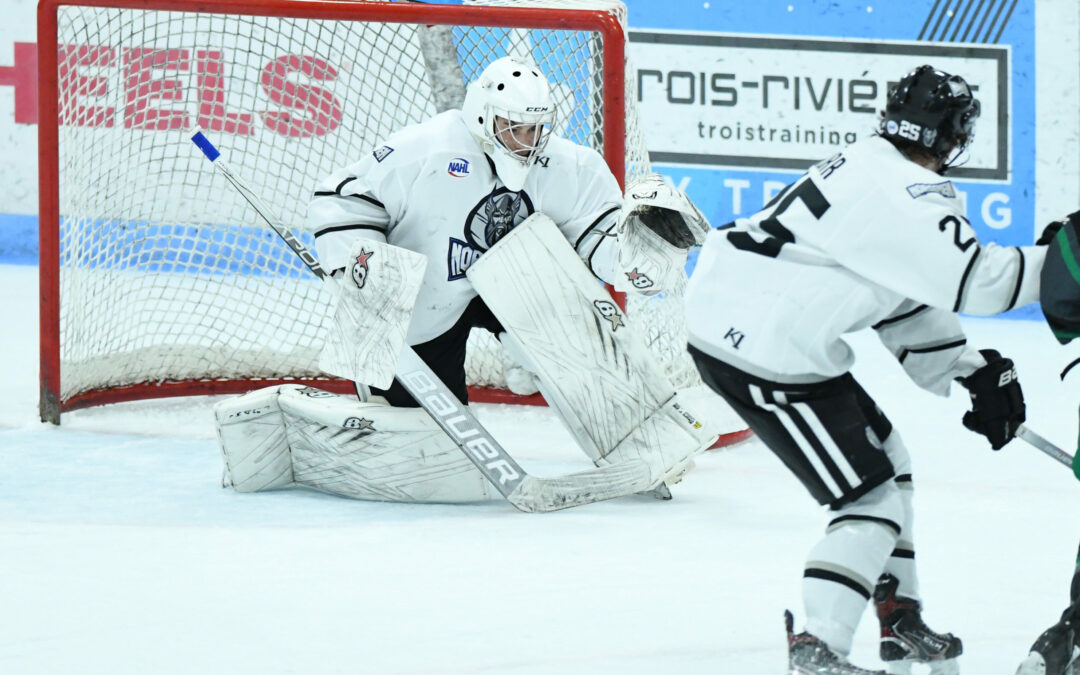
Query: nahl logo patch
x=458 y=167
x=944 y=188
x=609 y=311
x=459 y=257
x=360 y=269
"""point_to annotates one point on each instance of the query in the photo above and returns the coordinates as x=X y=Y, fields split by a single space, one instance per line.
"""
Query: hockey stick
x=527 y=493
x=1049 y=448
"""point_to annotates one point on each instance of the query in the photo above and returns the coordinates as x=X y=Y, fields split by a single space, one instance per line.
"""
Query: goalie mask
x=510 y=112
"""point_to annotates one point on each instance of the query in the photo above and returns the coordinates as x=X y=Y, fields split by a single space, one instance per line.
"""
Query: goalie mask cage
x=157 y=279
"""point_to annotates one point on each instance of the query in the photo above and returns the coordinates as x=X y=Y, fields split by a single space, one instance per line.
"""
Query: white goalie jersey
x=864 y=239
x=431 y=189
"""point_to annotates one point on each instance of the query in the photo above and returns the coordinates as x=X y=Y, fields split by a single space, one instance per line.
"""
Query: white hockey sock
x=901 y=563
x=843 y=568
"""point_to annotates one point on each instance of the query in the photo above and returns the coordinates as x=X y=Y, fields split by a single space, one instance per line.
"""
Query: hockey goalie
x=478 y=218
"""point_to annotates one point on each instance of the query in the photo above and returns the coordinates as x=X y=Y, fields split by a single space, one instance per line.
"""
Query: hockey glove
x=997 y=402
x=1051 y=230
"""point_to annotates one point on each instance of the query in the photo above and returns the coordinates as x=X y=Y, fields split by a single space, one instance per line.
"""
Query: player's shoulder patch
x=382 y=153
x=944 y=188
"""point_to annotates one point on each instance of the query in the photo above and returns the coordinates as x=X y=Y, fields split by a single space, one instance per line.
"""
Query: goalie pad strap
x=375 y=298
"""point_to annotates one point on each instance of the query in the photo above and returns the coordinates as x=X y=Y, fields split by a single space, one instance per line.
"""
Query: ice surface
x=120 y=553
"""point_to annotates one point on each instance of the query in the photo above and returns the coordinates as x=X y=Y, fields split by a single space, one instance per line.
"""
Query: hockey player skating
x=475 y=213
x=1057 y=650
x=874 y=236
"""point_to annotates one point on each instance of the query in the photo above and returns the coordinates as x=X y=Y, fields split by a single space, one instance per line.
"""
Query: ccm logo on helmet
x=536 y=109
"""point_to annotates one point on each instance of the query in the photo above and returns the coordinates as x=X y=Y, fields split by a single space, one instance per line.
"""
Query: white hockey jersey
x=431 y=189
x=865 y=238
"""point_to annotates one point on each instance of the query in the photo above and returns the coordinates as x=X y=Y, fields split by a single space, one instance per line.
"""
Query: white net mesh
x=165 y=272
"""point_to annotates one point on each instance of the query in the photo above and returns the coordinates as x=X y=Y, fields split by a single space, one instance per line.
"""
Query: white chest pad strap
x=592 y=366
x=375 y=299
x=339 y=445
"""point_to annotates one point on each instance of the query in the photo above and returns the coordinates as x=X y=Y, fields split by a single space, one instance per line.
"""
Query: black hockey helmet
x=931 y=110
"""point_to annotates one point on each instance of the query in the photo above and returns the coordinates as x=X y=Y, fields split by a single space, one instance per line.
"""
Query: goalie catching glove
x=657 y=227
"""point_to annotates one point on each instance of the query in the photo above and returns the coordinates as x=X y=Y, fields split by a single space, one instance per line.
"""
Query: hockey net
x=157 y=279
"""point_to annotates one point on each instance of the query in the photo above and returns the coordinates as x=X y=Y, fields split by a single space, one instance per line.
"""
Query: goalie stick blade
x=540 y=495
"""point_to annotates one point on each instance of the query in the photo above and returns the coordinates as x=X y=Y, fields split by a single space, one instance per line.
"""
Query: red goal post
x=155 y=279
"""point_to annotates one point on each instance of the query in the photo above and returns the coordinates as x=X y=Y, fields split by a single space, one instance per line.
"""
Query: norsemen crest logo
x=494 y=216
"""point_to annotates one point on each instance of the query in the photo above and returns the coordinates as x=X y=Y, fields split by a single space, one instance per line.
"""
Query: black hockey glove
x=997 y=402
x=1051 y=230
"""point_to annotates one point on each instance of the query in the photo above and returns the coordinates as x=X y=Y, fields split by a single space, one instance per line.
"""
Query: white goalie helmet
x=510 y=111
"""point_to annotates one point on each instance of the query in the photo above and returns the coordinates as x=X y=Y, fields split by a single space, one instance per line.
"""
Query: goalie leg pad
x=292 y=435
x=251 y=432
x=668 y=440
x=374 y=451
x=592 y=366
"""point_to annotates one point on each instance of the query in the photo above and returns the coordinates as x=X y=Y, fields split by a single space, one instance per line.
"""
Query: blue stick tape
x=205 y=145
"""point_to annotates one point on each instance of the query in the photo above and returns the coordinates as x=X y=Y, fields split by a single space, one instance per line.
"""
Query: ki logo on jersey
x=359 y=270
x=639 y=280
x=609 y=311
x=735 y=336
x=458 y=167
x=459 y=257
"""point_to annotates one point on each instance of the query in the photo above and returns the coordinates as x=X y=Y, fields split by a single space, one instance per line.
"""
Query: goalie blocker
x=591 y=365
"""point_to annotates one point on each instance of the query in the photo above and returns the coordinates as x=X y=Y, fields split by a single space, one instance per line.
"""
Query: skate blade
x=947 y=667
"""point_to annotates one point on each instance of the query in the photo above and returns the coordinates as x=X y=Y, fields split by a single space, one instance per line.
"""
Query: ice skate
x=808 y=655
x=1055 y=652
x=906 y=640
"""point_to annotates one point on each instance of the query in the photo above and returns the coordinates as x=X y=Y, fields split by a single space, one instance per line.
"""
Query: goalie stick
x=527 y=493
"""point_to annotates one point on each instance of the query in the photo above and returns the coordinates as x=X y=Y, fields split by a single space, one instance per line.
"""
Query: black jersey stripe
x=933 y=348
x=341 y=186
x=835 y=577
x=817 y=447
x=900 y=317
x=344 y=228
x=903 y=553
x=964 y=279
x=1019 y=280
x=592 y=226
x=600 y=240
x=891 y=524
